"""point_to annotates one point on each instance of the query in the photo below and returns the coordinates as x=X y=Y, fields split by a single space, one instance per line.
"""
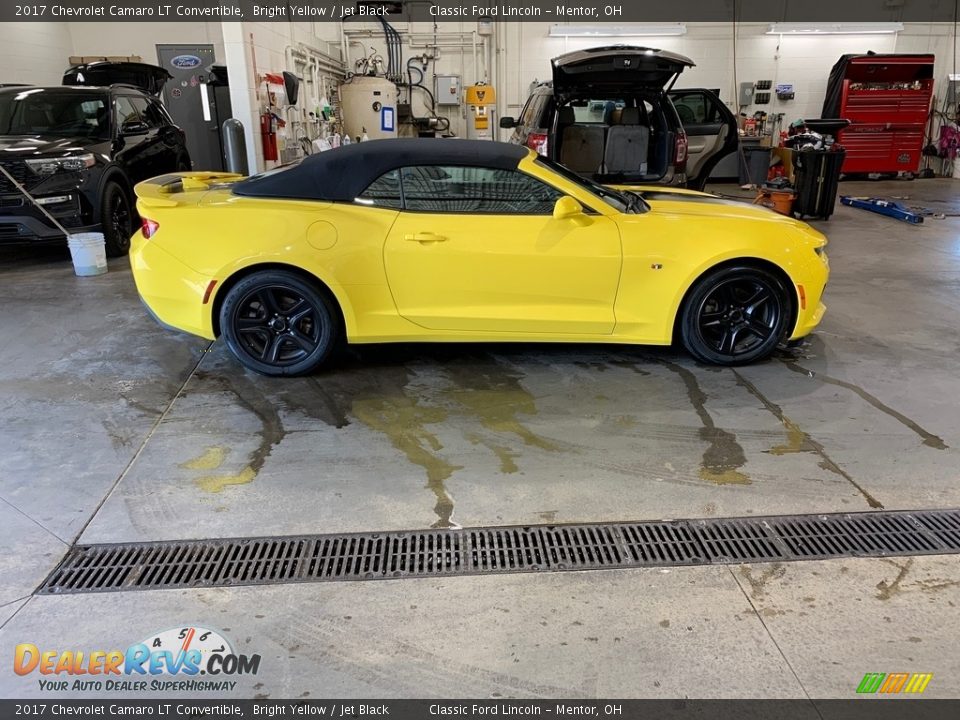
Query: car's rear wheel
x=116 y=219
x=735 y=316
x=277 y=323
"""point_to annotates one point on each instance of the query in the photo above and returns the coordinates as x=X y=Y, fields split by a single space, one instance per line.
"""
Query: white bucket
x=88 y=253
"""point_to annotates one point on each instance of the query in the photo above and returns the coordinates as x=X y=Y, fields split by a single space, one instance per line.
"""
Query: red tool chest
x=887 y=100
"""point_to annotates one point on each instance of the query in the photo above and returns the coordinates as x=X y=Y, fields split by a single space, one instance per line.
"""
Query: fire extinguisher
x=268 y=135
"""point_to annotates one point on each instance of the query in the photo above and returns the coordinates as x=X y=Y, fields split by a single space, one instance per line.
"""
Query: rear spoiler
x=158 y=191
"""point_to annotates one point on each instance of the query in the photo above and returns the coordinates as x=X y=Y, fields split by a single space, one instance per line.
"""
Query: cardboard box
x=84 y=59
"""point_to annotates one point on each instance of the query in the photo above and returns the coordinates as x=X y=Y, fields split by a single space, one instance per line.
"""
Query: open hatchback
x=104 y=73
x=612 y=114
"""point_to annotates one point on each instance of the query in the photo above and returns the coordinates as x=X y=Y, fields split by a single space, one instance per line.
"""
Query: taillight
x=148 y=227
x=539 y=142
x=680 y=154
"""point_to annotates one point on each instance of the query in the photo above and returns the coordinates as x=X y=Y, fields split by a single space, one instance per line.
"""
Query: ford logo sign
x=185 y=62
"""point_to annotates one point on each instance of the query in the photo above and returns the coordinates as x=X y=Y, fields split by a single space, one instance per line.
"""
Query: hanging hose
x=443 y=124
x=394 y=51
x=389 y=40
x=419 y=84
x=399 y=44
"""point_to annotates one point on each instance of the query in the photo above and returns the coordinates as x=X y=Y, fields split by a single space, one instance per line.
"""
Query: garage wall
x=518 y=55
x=271 y=40
x=35 y=52
x=133 y=38
x=803 y=61
x=456 y=57
x=935 y=38
x=525 y=51
x=38 y=53
x=261 y=47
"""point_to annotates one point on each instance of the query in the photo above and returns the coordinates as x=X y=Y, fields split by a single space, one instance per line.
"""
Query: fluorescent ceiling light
x=797 y=28
x=600 y=30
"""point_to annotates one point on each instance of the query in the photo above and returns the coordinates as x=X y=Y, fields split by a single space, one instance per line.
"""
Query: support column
x=243 y=89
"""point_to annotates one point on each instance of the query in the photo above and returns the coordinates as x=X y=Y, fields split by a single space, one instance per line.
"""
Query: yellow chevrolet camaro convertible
x=465 y=241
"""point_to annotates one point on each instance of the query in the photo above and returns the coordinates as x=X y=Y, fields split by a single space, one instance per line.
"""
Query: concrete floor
x=113 y=430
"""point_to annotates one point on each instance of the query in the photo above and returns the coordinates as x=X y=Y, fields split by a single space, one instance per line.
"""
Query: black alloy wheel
x=116 y=219
x=735 y=316
x=277 y=323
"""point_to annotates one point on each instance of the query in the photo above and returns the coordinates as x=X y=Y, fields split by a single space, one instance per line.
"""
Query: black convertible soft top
x=344 y=173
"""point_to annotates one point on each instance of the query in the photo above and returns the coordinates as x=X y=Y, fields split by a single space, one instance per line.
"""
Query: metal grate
x=944 y=525
x=481 y=551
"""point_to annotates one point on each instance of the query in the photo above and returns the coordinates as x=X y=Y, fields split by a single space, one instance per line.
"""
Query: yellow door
x=503 y=273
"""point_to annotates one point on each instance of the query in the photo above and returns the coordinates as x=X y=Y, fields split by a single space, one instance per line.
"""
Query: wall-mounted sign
x=185 y=62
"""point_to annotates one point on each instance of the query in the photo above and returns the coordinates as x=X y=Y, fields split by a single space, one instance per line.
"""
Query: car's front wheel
x=735 y=316
x=277 y=323
x=116 y=219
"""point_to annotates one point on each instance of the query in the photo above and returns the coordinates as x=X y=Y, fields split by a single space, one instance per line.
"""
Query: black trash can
x=754 y=164
x=816 y=179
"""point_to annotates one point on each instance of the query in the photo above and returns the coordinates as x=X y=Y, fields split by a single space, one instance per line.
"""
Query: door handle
x=425 y=237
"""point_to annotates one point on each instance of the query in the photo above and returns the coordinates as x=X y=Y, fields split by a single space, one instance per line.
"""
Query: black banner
x=867 y=708
x=551 y=11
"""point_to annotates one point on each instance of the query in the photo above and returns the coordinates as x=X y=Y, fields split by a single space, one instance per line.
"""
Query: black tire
x=116 y=219
x=735 y=316
x=279 y=324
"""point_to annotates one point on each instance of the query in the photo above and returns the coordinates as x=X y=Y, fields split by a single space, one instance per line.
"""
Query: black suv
x=80 y=150
x=611 y=114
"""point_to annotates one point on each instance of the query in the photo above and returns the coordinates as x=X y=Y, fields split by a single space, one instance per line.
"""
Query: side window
x=543 y=118
x=95 y=117
x=532 y=116
x=383 y=192
x=149 y=113
x=695 y=109
x=476 y=190
x=526 y=115
x=126 y=112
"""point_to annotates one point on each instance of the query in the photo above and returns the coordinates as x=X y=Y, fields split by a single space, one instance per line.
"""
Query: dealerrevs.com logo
x=180 y=659
x=894 y=683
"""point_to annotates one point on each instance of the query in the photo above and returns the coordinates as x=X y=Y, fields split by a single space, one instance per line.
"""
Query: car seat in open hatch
x=581 y=146
x=628 y=144
x=565 y=118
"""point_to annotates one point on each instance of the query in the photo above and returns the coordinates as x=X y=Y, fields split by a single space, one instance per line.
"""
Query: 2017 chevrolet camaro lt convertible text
x=466 y=241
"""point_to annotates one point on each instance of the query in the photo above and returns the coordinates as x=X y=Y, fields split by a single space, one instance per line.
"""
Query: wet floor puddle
x=213 y=459
x=271 y=431
x=928 y=438
x=405 y=422
x=384 y=400
x=484 y=391
x=799 y=441
x=724 y=457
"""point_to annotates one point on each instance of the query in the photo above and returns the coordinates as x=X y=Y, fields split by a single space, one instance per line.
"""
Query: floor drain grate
x=479 y=551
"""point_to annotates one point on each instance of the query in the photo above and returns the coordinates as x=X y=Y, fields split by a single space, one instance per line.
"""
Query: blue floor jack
x=883 y=207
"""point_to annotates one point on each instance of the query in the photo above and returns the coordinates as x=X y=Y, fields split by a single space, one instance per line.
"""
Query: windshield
x=54 y=113
x=619 y=201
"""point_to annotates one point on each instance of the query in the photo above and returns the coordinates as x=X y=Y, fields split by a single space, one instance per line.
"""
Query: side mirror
x=567 y=208
x=135 y=127
x=508 y=122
